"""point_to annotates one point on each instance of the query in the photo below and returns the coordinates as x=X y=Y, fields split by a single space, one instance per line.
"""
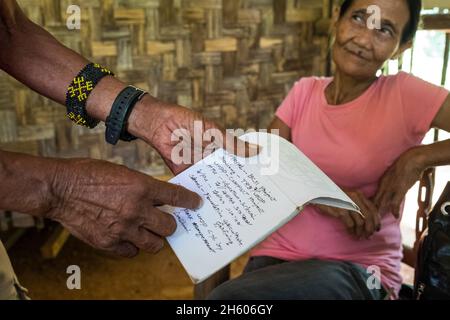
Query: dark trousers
x=267 y=278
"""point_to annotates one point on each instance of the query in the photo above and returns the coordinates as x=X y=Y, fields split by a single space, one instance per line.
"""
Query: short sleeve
x=291 y=107
x=421 y=103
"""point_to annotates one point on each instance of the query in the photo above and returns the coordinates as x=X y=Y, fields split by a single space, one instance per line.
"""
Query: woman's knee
x=226 y=291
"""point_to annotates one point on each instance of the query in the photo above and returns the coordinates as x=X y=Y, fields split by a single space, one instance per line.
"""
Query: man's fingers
x=216 y=138
x=125 y=249
x=175 y=195
x=176 y=168
x=240 y=147
x=158 y=222
x=146 y=240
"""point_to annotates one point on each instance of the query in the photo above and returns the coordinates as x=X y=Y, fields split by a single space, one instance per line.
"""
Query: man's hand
x=397 y=180
x=113 y=208
x=356 y=224
x=181 y=136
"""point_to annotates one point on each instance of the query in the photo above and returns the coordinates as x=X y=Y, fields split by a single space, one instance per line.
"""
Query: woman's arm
x=438 y=154
x=356 y=225
x=283 y=130
x=408 y=169
x=442 y=120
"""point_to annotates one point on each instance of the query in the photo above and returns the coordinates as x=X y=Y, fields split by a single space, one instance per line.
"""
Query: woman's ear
x=334 y=19
x=402 y=49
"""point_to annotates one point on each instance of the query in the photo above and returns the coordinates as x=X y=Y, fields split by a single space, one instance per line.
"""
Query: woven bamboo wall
x=232 y=60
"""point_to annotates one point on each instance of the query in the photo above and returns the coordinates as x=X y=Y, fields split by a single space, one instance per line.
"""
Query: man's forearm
x=26 y=183
x=34 y=57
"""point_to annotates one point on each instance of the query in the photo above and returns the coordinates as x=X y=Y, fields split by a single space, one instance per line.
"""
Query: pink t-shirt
x=354 y=144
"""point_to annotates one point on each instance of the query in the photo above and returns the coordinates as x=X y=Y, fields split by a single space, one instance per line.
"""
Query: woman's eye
x=358 y=18
x=386 y=31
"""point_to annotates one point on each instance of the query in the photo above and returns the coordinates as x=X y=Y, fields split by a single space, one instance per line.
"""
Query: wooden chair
x=424 y=201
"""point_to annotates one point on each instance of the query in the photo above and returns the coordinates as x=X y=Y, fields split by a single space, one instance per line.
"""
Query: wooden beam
x=446 y=56
x=436 y=22
x=304 y=15
x=13 y=237
x=54 y=244
x=430 y=22
x=436 y=3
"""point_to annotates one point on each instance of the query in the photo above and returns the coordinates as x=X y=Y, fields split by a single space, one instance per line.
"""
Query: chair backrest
x=424 y=200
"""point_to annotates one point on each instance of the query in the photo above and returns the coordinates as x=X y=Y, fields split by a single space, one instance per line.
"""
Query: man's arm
x=108 y=206
x=25 y=183
x=34 y=57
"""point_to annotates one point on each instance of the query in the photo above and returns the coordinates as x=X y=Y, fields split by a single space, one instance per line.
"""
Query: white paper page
x=240 y=209
x=299 y=178
x=245 y=200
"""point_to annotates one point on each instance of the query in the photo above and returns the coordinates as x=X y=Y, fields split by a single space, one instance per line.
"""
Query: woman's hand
x=398 y=179
x=356 y=224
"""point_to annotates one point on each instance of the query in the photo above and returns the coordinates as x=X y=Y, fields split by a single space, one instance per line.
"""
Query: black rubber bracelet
x=116 y=122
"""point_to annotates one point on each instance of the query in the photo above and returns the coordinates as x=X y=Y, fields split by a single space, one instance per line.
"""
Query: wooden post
x=203 y=289
x=54 y=244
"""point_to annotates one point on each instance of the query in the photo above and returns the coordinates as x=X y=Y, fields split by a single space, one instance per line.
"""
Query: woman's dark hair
x=415 y=8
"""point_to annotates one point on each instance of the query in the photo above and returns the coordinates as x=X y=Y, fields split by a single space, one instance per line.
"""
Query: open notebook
x=245 y=200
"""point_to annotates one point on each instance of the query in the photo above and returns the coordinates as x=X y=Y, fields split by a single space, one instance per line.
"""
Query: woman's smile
x=358 y=54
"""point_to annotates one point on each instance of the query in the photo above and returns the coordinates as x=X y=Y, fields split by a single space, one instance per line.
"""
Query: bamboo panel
x=232 y=60
x=221 y=44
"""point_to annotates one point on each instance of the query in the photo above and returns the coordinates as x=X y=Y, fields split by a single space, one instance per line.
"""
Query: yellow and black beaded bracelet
x=79 y=90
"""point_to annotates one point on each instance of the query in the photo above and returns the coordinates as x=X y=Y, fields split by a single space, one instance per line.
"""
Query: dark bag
x=432 y=280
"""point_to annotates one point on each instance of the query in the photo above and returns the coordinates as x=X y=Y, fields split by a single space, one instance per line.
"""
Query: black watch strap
x=116 y=122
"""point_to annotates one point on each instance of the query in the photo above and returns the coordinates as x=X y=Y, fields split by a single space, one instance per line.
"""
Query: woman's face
x=359 y=50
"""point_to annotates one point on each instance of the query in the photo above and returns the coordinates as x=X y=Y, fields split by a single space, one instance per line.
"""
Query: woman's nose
x=364 y=39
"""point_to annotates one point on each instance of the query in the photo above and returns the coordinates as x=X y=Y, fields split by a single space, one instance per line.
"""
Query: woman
x=364 y=132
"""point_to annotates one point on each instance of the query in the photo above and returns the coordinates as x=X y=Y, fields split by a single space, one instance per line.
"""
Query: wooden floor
x=105 y=277
x=102 y=276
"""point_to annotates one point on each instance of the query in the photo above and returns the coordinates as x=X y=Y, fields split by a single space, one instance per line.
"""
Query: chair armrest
x=409 y=255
